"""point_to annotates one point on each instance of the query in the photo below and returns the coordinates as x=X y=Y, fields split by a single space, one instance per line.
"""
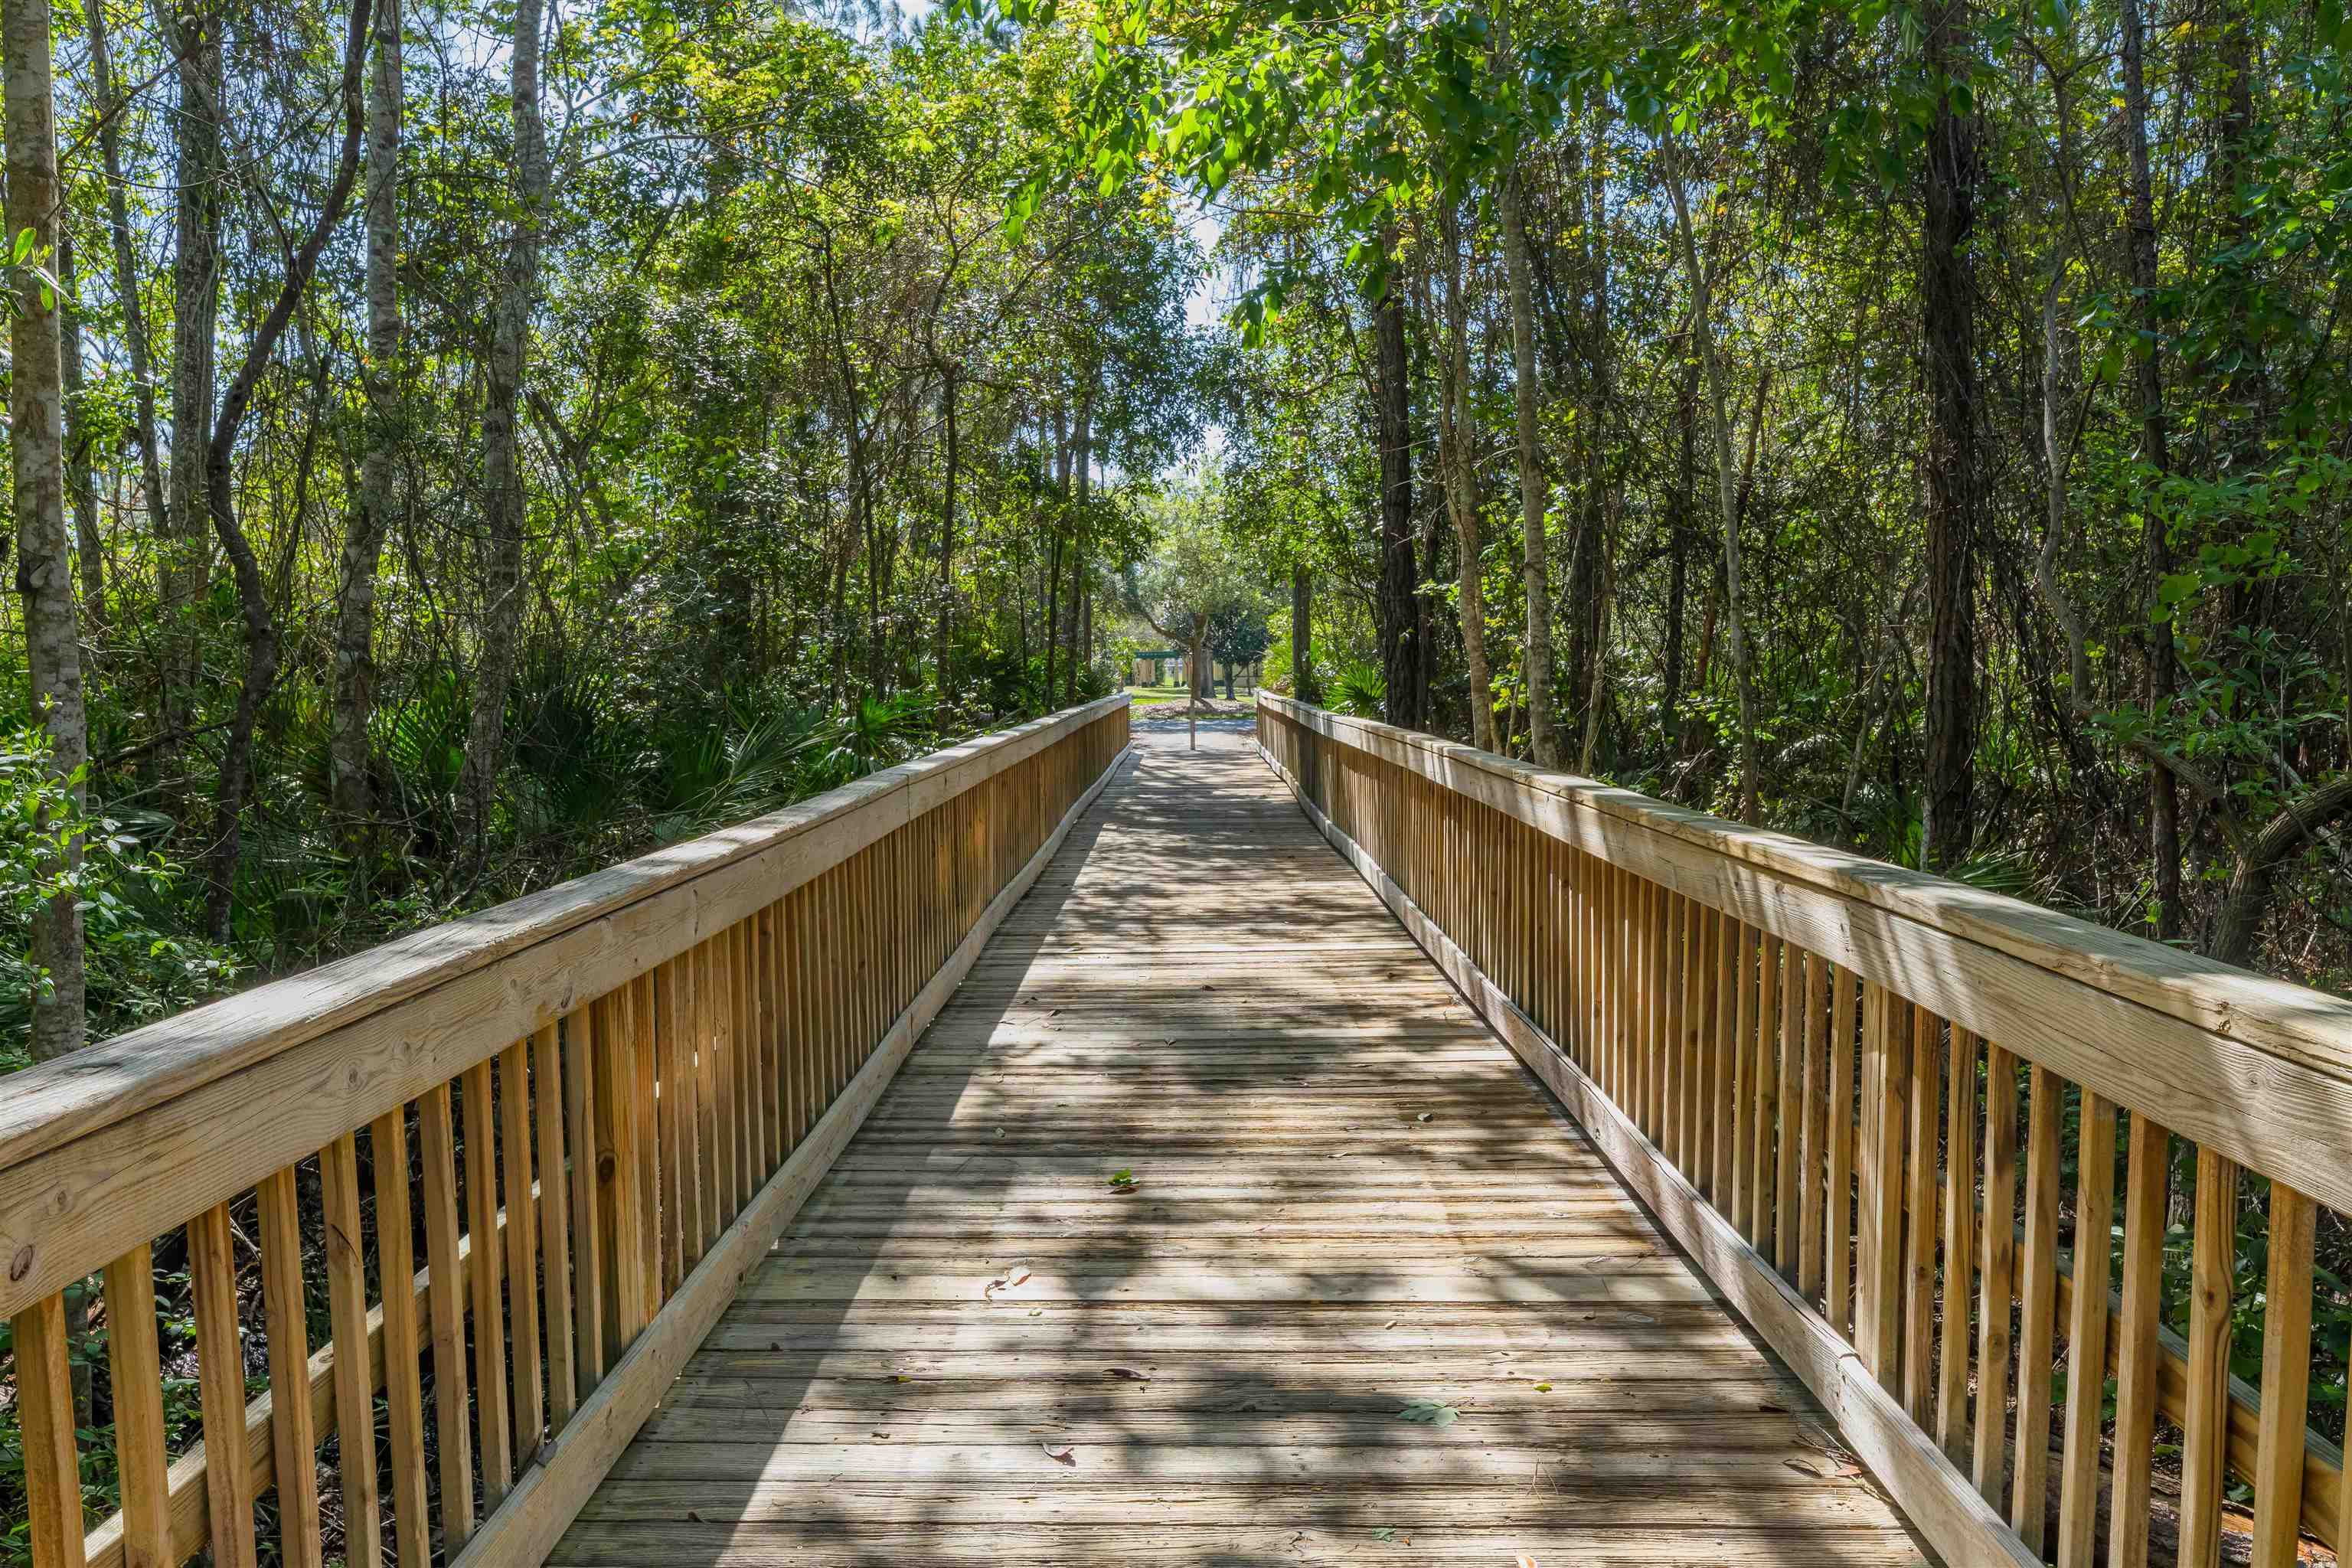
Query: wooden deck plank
x=970 y=1347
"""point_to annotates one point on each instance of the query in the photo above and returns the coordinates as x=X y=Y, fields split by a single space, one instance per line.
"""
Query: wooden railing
x=588 y=1113
x=1882 y=1110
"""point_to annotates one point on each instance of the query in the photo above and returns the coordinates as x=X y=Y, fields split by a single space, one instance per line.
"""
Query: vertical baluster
x=220 y=1376
x=711 y=1115
x=792 y=1056
x=2037 y=1311
x=621 y=1036
x=2086 y=1333
x=1837 y=1287
x=44 y=1411
x=446 y=1306
x=677 y=1161
x=555 y=1222
x=1724 y=1066
x=2138 y=1356
x=1959 y=1240
x=294 y=1432
x=592 y=1236
x=1661 y=1034
x=134 y=1355
x=53 y=1468
x=1790 y=1097
x=1744 y=1089
x=347 y=1309
x=643 y=1157
x=2205 y=1416
x=1878 y=1285
x=1999 y=1289
x=2287 y=1379
x=750 y=1169
x=716 y=989
x=1919 y=1231
x=1689 y=1151
x=483 y=1276
x=1813 y=1131
x=396 y=1272
x=522 y=1249
x=1760 y=1042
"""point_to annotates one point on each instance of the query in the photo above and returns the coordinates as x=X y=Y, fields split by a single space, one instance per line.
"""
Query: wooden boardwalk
x=1372 y=1296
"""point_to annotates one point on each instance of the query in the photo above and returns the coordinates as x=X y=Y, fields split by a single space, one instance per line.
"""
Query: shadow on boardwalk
x=1370 y=1296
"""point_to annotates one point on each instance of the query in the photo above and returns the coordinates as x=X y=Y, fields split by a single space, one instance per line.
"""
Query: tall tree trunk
x=1083 y=455
x=355 y=671
x=1053 y=615
x=1727 y=483
x=126 y=274
x=2163 y=793
x=220 y=497
x=1607 y=483
x=1302 y=634
x=1454 y=435
x=1543 y=739
x=1399 y=581
x=80 y=487
x=43 y=564
x=200 y=176
x=946 y=633
x=1948 y=307
x=503 y=478
x=1678 y=515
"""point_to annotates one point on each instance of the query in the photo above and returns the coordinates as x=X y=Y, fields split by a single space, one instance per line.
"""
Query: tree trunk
x=355 y=671
x=200 y=178
x=1727 y=485
x=220 y=495
x=946 y=634
x=126 y=274
x=1083 y=455
x=1053 y=615
x=89 y=548
x=502 y=478
x=2238 y=922
x=44 y=566
x=1947 y=307
x=1678 y=513
x=2163 y=793
x=1302 y=634
x=1543 y=739
x=1400 y=598
x=1461 y=484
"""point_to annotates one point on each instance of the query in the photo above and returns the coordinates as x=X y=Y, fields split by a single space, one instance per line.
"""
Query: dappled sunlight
x=1208 y=1225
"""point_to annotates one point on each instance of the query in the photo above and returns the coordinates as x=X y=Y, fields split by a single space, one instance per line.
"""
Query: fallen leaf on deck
x=1129 y=1375
x=1061 y=1456
x=1428 y=1412
x=1422 y=1116
x=1016 y=1275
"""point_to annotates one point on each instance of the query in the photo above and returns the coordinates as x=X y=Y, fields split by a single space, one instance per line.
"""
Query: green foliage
x=141 y=966
x=1361 y=689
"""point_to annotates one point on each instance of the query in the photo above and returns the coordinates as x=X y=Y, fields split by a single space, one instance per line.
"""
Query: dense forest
x=484 y=440
x=496 y=438
x=456 y=446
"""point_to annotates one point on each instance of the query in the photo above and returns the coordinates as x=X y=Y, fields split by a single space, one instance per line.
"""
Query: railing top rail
x=2140 y=1024
x=53 y=1104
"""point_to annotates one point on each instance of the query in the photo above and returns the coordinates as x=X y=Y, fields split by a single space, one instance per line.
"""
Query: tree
x=502 y=479
x=44 y=561
x=1238 y=636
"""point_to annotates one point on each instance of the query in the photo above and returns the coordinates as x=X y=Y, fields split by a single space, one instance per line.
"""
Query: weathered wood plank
x=970 y=1345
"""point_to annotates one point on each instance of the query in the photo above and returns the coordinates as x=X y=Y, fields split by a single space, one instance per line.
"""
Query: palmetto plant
x=1361 y=689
